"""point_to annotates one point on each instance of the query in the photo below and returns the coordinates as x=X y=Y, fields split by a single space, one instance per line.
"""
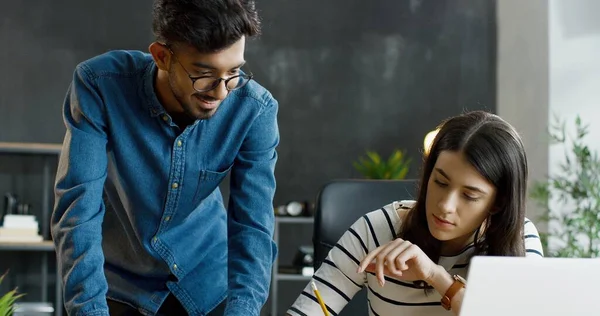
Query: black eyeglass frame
x=217 y=80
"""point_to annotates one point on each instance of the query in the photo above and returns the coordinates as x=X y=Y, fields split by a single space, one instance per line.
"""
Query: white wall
x=522 y=80
x=574 y=33
x=548 y=64
x=575 y=67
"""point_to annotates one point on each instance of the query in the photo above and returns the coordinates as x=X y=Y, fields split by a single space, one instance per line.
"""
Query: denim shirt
x=138 y=212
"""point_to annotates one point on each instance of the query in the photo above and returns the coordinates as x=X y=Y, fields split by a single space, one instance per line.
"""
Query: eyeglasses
x=208 y=83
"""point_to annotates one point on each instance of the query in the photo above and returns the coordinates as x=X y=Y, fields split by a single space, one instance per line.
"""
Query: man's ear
x=161 y=55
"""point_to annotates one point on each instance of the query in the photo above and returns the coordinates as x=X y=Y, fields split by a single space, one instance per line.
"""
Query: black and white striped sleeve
x=337 y=278
x=533 y=244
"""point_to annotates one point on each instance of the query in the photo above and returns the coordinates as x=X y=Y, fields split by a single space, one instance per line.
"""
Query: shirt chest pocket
x=208 y=181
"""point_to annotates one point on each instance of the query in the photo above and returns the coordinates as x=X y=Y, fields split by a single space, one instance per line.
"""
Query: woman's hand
x=405 y=261
x=400 y=259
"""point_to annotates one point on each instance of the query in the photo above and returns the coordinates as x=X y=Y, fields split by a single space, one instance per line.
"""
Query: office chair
x=339 y=204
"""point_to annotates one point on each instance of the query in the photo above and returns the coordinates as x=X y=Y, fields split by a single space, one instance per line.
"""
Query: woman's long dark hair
x=495 y=150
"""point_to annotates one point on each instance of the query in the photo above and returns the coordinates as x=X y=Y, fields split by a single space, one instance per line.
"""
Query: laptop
x=517 y=286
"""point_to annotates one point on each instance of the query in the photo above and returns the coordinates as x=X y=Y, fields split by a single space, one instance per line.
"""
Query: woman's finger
x=368 y=259
x=371 y=269
x=411 y=252
x=390 y=258
x=372 y=255
x=380 y=263
x=402 y=266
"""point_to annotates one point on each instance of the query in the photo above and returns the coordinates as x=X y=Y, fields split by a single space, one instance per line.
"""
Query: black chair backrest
x=339 y=204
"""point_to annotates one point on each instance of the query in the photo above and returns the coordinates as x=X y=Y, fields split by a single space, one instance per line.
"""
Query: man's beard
x=191 y=111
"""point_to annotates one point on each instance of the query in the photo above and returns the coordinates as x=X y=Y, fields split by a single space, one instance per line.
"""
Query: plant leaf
x=574 y=220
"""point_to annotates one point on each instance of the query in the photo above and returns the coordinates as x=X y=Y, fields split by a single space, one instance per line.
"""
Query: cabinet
x=45 y=247
x=276 y=275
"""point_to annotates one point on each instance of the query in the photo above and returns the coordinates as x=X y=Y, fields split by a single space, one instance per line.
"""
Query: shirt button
x=154 y=239
x=167 y=218
x=179 y=143
x=174 y=267
x=175 y=185
x=165 y=118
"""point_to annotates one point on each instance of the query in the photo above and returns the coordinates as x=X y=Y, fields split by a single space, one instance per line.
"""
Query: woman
x=413 y=255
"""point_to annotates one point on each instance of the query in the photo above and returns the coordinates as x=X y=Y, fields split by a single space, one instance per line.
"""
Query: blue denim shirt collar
x=154 y=104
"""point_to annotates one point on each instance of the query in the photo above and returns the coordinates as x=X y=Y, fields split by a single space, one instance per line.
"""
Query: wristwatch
x=459 y=283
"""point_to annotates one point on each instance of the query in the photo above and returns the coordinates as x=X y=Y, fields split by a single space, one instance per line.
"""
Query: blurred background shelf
x=277 y=275
x=48 y=152
x=45 y=245
x=291 y=277
x=30 y=148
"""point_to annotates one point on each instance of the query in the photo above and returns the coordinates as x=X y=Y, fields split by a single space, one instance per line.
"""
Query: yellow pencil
x=319 y=298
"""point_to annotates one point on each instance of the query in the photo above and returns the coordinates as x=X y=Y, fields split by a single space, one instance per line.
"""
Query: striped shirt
x=338 y=281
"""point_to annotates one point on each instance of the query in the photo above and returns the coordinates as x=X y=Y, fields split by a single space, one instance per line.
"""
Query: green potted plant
x=571 y=198
x=8 y=300
x=374 y=167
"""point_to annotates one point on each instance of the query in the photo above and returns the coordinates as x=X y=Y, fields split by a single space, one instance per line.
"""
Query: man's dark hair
x=207 y=25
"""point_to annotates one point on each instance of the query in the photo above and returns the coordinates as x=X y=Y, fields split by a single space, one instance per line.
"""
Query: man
x=139 y=222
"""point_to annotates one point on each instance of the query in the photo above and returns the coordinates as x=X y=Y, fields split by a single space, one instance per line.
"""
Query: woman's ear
x=495 y=210
x=498 y=206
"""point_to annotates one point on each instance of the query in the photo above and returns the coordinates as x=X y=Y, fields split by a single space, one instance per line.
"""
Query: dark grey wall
x=349 y=76
x=355 y=75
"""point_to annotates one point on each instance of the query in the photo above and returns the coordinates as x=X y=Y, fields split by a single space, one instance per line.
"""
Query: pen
x=319 y=298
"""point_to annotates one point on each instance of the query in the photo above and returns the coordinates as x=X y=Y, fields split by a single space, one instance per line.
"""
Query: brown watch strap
x=458 y=284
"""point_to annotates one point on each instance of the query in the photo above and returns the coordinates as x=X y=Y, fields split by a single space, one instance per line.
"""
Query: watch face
x=460 y=279
x=294 y=208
